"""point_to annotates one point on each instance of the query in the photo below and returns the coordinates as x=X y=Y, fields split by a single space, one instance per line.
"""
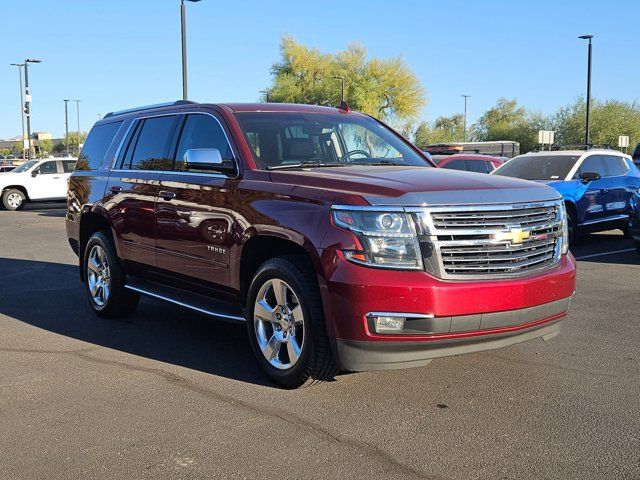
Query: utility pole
x=587 y=133
x=27 y=100
x=66 y=127
x=78 y=117
x=464 y=127
x=266 y=95
x=20 y=65
x=183 y=32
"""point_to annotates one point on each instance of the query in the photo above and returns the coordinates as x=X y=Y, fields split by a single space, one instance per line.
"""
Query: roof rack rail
x=149 y=107
x=580 y=146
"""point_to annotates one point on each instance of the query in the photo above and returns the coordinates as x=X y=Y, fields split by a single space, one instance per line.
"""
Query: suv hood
x=415 y=186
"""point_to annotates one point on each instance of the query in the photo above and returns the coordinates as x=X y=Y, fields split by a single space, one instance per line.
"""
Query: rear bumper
x=362 y=356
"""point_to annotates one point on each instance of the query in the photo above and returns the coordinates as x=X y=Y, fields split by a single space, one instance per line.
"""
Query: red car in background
x=469 y=162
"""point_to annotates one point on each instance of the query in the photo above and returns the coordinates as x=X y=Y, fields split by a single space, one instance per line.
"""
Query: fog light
x=389 y=324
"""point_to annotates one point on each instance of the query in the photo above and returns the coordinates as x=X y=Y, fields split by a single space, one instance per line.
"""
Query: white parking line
x=605 y=253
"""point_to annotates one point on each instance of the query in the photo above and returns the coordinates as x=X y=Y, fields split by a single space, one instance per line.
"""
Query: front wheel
x=286 y=326
x=105 y=279
x=13 y=199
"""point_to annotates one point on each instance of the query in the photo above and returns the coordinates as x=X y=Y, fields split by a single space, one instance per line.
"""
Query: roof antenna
x=344 y=106
x=343 y=102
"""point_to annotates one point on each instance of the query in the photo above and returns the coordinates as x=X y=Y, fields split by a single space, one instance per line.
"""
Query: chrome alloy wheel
x=14 y=200
x=98 y=275
x=279 y=323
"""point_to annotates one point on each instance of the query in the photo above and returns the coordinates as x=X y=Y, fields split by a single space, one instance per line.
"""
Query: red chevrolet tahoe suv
x=331 y=236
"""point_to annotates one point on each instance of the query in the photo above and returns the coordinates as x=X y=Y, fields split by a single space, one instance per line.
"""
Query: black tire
x=316 y=361
x=120 y=302
x=637 y=245
x=625 y=231
x=10 y=196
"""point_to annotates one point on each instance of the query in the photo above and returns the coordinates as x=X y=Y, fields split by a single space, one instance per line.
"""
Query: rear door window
x=96 y=146
x=68 y=166
x=148 y=147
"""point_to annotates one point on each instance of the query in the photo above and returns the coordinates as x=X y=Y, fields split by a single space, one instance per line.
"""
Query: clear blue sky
x=117 y=54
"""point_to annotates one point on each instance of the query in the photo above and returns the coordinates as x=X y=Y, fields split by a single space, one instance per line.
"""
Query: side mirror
x=205 y=159
x=586 y=177
x=35 y=172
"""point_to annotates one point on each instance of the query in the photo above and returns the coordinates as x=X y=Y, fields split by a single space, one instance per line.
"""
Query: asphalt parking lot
x=174 y=394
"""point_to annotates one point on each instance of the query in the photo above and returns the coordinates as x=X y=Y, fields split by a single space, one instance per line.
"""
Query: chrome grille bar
x=489 y=241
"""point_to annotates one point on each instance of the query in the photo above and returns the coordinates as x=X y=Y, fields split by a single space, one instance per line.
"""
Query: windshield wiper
x=306 y=164
x=377 y=162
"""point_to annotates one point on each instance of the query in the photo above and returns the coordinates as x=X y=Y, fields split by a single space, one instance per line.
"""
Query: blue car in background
x=597 y=184
x=634 y=223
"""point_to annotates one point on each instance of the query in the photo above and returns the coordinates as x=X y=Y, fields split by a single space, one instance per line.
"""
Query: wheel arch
x=90 y=222
x=22 y=188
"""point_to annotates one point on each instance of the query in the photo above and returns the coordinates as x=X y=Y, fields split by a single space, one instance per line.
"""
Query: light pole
x=266 y=95
x=183 y=31
x=588 y=37
x=27 y=98
x=464 y=127
x=20 y=65
x=342 y=99
x=66 y=126
x=78 y=117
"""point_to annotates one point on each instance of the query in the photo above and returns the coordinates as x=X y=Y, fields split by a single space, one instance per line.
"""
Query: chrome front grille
x=484 y=242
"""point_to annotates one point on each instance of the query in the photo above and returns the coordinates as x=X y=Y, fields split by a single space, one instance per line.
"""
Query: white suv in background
x=36 y=181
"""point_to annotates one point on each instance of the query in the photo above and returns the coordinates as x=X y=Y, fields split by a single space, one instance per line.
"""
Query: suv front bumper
x=457 y=317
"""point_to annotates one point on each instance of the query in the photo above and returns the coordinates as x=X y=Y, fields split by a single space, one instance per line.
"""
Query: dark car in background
x=7 y=168
x=636 y=155
x=468 y=163
x=596 y=184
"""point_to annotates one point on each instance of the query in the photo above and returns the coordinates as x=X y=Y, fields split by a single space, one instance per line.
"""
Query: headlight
x=388 y=238
x=562 y=211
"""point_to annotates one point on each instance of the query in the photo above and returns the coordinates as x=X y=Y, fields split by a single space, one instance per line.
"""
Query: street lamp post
x=66 y=126
x=27 y=98
x=183 y=31
x=78 y=118
x=20 y=65
x=266 y=95
x=464 y=126
x=588 y=37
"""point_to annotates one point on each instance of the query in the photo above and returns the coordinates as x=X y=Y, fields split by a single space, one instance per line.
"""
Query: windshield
x=538 y=167
x=25 y=166
x=293 y=140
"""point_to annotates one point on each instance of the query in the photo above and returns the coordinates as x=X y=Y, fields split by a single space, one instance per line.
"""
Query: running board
x=193 y=301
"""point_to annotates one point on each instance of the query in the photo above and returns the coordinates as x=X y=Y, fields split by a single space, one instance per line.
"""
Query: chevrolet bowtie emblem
x=514 y=235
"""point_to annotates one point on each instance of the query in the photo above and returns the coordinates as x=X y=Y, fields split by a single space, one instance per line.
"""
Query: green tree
x=5 y=151
x=17 y=147
x=46 y=147
x=609 y=119
x=443 y=130
x=387 y=89
x=506 y=120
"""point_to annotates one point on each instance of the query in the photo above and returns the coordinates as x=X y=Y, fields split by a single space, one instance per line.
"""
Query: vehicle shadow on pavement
x=50 y=296
x=46 y=210
x=607 y=247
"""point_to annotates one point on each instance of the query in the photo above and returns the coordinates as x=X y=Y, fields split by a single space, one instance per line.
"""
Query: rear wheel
x=105 y=279
x=13 y=199
x=572 y=225
x=286 y=324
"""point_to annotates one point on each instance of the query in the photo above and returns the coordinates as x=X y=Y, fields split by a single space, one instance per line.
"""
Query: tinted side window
x=68 y=166
x=593 y=164
x=477 y=166
x=490 y=166
x=614 y=166
x=48 y=168
x=96 y=146
x=456 y=165
x=202 y=131
x=149 y=145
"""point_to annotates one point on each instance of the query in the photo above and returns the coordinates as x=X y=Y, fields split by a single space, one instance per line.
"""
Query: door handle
x=56 y=178
x=605 y=190
x=115 y=188
x=167 y=195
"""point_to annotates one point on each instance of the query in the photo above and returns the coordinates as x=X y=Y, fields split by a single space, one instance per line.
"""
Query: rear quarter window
x=96 y=146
